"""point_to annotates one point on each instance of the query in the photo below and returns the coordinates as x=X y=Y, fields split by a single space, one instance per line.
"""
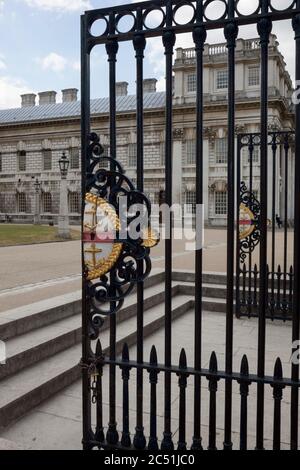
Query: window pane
x=132 y=155
x=47 y=160
x=21 y=203
x=221 y=150
x=74 y=206
x=74 y=158
x=222 y=79
x=190 y=202
x=22 y=161
x=254 y=76
x=47 y=203
x=221 y=203
x=190 y=152
x=191 y=83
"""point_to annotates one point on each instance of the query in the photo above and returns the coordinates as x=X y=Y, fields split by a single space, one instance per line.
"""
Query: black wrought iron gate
x=107 y=282
x=280 y=223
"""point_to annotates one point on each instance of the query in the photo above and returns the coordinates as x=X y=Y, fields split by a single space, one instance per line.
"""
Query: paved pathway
x=36 y=272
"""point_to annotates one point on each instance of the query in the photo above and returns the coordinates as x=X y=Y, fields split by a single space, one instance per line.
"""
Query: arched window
x=74 y=203
x=21 y=203
x=47 y=203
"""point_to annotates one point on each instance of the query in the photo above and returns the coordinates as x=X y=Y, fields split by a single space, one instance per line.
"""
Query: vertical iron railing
x=139 y=44
x=112 y=47
x=264 y=29
x=264 y=291
x=231 y=33
x=169 y=39
x=296 y=284
x=199 y=37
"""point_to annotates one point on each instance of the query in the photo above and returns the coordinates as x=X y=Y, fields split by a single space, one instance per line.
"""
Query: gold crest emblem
x=247 y=222
x=101 y=224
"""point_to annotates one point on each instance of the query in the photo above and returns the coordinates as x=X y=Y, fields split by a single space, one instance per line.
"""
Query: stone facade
x=32 y=143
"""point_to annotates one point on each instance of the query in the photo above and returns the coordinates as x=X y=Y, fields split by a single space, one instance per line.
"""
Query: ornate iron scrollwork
x=249 y=222
x=114 y=260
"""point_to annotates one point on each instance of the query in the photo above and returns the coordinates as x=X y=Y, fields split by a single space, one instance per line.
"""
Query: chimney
x=69 y=95
x=121 y=88
x=150 y=85
x=47 y=97
x=28 y=100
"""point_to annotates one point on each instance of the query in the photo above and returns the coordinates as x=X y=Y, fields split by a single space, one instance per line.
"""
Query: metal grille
x=129 y=434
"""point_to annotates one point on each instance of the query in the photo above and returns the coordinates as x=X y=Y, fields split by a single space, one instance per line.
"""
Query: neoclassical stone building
x=33 y=137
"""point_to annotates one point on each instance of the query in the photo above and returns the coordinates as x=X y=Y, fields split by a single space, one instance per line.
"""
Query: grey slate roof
x=70 y=110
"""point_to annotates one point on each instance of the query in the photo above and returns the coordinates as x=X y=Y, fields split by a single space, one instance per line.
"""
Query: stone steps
x=43 y=340
x=21 y=392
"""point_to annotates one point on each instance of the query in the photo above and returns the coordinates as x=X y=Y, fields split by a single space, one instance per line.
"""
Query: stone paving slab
x=56 y=424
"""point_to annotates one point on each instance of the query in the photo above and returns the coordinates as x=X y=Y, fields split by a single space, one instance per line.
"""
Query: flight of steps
x=43 y=339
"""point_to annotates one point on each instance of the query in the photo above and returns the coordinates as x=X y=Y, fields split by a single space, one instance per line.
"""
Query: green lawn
x=11 y=235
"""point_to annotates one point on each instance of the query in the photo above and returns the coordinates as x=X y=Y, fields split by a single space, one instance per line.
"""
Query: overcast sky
x=40 y=48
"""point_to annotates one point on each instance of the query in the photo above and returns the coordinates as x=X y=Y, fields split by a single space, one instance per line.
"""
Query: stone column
x=63 y=219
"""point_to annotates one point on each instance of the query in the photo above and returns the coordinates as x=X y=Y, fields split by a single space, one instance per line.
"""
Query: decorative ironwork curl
x=249 y=242
x=104 y=188
x=124 y=24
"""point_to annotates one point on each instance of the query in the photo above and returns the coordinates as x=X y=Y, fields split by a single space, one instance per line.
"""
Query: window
x=0 y=163
x=47 y=160
x=222 y=79
x=255 y=155
x=47 y=203
x=21 y=203
x=22 y=161
x=105 y=163
x=190 y=202
x=132 y=155
x=221 y=202
x=106 y=151
x=74 y=158
x=191 y=152
x=221 y=150
x=254 y=76
x=191 y=83
x=74 y=203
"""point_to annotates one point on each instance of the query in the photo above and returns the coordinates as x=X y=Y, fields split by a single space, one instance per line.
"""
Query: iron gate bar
x=274 y=151
x=264 y=30
x=112 y=48
x=244 y=392
x=296 y=290
x=169 y=40
x=139 y=44
x=199 y=37
x=88 y=434
x=231 y=33
x=286 y=179
x=191 y=371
